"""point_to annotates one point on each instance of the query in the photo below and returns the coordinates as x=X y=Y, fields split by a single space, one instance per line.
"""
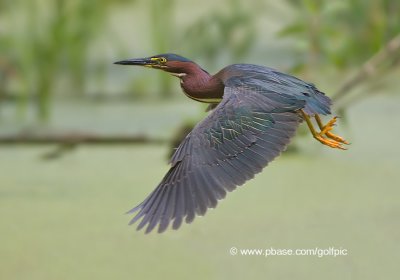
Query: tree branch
x=73 y=138
x=369 y=68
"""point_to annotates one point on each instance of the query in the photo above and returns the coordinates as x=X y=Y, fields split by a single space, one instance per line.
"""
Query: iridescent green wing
x=235 y=141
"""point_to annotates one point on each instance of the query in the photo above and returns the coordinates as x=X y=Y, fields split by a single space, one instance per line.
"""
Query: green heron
x=255 y=111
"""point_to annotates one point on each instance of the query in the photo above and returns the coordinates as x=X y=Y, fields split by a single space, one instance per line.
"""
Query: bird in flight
x=254 y=113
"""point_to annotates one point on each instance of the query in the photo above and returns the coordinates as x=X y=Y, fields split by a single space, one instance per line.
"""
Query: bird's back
x=265 y=79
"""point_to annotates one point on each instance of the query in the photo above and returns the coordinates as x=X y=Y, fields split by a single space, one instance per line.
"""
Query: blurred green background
x=62 y=205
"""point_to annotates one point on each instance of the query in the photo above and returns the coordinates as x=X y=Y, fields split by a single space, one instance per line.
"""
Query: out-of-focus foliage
x=162 y=33
x=229 y=32
x=48 y=46
x=342 y=33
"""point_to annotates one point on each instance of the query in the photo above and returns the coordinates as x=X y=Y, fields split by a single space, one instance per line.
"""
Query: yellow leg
x=325 y=129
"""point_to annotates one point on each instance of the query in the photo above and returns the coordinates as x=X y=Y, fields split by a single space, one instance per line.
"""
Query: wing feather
x=246 y=131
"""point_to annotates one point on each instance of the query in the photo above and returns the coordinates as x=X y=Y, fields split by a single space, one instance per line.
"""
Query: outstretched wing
x=247 y=130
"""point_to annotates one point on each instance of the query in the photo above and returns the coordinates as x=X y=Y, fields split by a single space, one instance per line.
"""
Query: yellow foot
x=329 y=142
x=336 y=138
x=326 y=130
x=329 y=126
x=325 y=136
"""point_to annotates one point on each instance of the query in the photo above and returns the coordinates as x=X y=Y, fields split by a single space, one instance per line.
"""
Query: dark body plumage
x=257 y=115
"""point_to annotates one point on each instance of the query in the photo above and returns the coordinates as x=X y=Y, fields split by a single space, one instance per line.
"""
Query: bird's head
x=171 y=63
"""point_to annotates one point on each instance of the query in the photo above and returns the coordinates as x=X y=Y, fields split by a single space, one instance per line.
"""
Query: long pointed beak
x=136 y=61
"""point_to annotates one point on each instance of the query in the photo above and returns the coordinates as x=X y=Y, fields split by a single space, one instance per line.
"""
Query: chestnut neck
x=200 y=85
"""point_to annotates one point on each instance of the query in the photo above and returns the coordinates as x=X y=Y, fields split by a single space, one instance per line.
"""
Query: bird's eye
x=162 y=60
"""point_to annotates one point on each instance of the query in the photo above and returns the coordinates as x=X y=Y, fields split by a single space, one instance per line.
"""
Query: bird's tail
x=317 y=103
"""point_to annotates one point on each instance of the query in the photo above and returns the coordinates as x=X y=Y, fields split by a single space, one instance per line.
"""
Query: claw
x=336 y=138
x=325 y=136
x=329 y=126
x=329 y=142
x=326 y=130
